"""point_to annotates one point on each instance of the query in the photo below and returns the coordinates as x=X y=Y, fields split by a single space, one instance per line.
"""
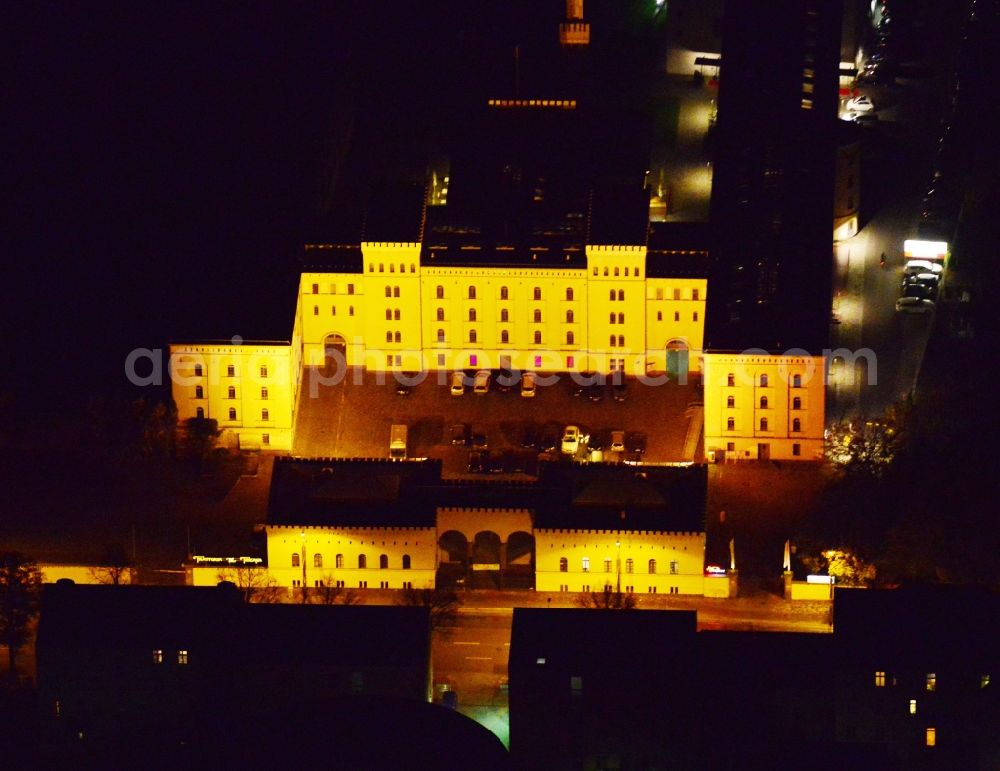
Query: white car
x=915 y=267
x=914 y=305
x=860 y=104
x=617 y=441
x=571 y=440
x=457 y=383
x=481 y=385
x=528 y=385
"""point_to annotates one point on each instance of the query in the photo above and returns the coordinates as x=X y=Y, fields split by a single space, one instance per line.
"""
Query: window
x=576 y=686
x=730 y=424
x=200 y=412
x=607 y=564
x=629 y=565
x=880 y=679
x=230 y=371
x=730 y=401
x=440 y=359
x=395 y=315
x=265 y=415
x=930 y=737
x=198 y=370
x=652 y=566
x=263 y=394
x=984 y=680
x=694 y=294
x=381 y=268
x=338 y=561
x=731 y=380
x=796 y=450
x=317 y=560
x=913 y=706
x=763 y=381
x=388 y=315
x=569 y=317
x=440 y=314
x=537 y=293
x=611 y=296
x=295 y=560
x=569 y=293
x=763 y=424
x=397 y=337
x=796 y=424
x=473 y=360
x=538 y=362
x=388 y=337
x=621 y=341
x=796 y=381
x=659 y=315
x=504 y=315
x=406 y=562
x=569 y=362
x=621 y=318
x=763 y=402
x=677 y=315
x=616 y=270
x=626 y=271
x=612 y=318
x=265 y=439
x=362 y=561
x=440 y=335
x=371 y=267
x=199 y=392
x=439 y=294
x=362 y=584
x=677 y=294
x=232 y=413
x=231 y=391
x=472 y=314
x=315 y=288
x=472 y=336
x=569 y=338
x=333 y=310
x=931 y=681
x=563 y=565
x=611 y=341
x=350 y=290
x=157 y=657
x=503 y=293
x=605 y=270
x=730 y=446
x=673 y=567
x=621 y=295
x=395 y=291
x=504 y=336
x=797 y=403
x=388 y=291
x=538 y=316
x=659 y=294
x=585 y=564
x=350 y=310
x=538 y=338
x=383 y=561
x=694 y=316
x=472 y=293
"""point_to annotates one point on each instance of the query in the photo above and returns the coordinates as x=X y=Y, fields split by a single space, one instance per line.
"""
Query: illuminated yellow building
x=761 y=406
x=401 y=313
x=249 y=388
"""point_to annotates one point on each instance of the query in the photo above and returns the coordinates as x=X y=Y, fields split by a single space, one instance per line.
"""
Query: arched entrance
x=334 y=352
x=519 y=570
x=453 y=559
x=677 y=360
x=487 y=560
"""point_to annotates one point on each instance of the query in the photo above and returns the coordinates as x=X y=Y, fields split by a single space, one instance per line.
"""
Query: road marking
x=479 y=658
x=463 y=642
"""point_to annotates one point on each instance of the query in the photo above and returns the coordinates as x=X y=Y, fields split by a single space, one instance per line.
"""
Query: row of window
x=383 y=561
x=158 y=658
x=796 y=402
x=695 y=294
x=796 y=424
x=264 y=415
x=333 y=310
x=628 y=589
x=505 y=337
x=629 y=565
x=731 y=379
x=635 y=271
x=677 y=316
x=333 y=288
x=199 y=370
x=930 y=683
x=392 y=268
x=199 y=392
x=393 y=337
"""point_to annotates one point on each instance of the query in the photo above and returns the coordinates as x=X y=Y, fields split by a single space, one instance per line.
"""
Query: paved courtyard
x=352 y=418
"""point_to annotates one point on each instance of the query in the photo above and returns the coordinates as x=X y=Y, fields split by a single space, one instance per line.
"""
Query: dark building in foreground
x=189 y=677
x=773 y=184
x=905 y=682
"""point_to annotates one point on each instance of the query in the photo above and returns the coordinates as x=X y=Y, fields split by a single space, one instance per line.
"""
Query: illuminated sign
x=820 y=579
x=486 y=566
x=927 y=250
x=715 y=571
x=228 y=560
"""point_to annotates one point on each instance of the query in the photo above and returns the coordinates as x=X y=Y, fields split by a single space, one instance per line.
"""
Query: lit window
x=473 y=360
x=607 y=564
x=265 y=415
x=585 y=564
x=984 y=680
x=265 y=438
x=339 y=560
x=731 y=380
x=913 y=706
x=157 y=657
x=930 y=737
x=317 y=560
x=232 y=413
x=182 y=657
x=605 y=270
x=673 y=567
x=931 y=681
x=880 y=679
x=263 y=394
x=629 y=565
x=652 y=566
x=730 y=401
x=730 y=424
x=569 y=362
x=231 y=371
x=538 y=362
x=563 y=565
x=295 y=560
x=232 y=392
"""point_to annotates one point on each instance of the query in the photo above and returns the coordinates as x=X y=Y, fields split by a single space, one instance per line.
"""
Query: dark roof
x=575 y=638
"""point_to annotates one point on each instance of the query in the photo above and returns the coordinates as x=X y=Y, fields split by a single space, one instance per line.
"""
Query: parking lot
x=352 y=418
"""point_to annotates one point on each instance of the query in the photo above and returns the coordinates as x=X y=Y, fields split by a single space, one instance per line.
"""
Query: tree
x=20 y=593
x=328 y=593
x=867 y=446
x=442 y=603
x=845 y=565
x=254 y=582
x=115 y=567
x=198 y=440
x=609 y=599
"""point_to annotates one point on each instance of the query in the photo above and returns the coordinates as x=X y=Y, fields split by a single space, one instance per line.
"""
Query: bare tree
x=115 y=567
x=328 y=593
x=20 y=593
x=609 y=599
x=442 y=603
x=254 y=582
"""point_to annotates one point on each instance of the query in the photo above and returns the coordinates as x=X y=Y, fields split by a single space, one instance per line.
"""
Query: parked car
x=460 y=434
x=619 y=392
x=477 y=461
x=918 y=290
x=635 y=442
x=914 y=267
x=457 y=383
x=551 y=437
x=618 y=441
x=595 y=392
x=860 y=104
x=599 y=440
x=531 y=436
x=506 y=379
x=479 y=440
x=914 y=305
x=570 y=440
x=528 y=385
x=403 y=389
x=481 y=385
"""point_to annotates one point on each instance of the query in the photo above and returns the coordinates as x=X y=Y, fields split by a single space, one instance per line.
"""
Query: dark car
x=619 y=392
x=531 y=436
x=922 y=291
x=600 y=440
x=477 y=462
x=403 y=389
x=595 y=392
x=635 y=442
x=460 y=434
x=575 y=388
x=479 y=440
x=551 y=437
x=506 y=380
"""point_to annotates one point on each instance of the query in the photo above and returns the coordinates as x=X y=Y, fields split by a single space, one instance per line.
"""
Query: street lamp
x=618 y=546
x=303 y=534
